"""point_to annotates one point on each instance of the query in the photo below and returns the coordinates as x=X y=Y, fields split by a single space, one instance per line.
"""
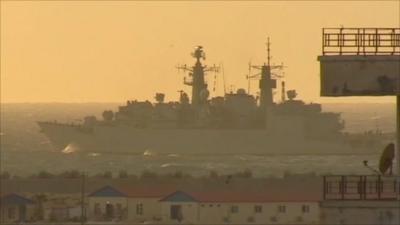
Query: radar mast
x=267 y=79
x=196 y=77
x=267 y=82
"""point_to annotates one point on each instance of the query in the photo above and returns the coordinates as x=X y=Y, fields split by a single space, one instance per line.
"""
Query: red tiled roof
x=146 y=192
x=266 y=196
x=243 y=197
x=272 y=192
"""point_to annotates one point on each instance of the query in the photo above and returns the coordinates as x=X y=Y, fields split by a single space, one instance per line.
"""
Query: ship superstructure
x=237 y=122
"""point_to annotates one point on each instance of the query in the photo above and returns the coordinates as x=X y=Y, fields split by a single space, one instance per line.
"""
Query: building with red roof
x=166 y=205
x=241 y=207
x=15 y=208
x=136 y=204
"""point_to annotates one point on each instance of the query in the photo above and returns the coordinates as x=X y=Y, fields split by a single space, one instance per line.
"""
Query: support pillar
x=398 y=137
x=398 y=147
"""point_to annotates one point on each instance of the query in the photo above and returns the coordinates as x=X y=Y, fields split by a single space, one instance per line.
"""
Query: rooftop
x=243 y=197
x=293 y=193
x=15 y=199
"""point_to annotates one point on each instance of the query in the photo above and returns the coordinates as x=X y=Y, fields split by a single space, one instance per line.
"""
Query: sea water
x=24 y=150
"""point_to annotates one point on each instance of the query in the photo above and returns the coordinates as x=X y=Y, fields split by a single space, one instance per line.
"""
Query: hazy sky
x=113 y=51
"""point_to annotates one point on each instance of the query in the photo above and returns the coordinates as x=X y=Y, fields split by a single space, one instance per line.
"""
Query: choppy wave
x=149 y=153
x=24 y=163
x=25 y=150
x=70 y=148
x=94 y=154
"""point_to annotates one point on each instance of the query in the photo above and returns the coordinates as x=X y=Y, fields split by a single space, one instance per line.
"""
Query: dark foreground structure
x=362 y=62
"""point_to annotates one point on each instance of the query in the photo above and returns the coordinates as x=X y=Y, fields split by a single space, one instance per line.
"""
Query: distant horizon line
x=118 y=102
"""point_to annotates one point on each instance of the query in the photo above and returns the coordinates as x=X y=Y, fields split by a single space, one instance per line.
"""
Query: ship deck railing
x=360 y=187
x=61 y=123
x=361 y=41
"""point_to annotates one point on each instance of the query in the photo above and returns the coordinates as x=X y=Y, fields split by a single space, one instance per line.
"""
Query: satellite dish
x=386 y=160
x=292 y=94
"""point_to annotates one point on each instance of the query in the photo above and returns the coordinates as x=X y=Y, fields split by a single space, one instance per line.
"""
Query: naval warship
x=236 y=123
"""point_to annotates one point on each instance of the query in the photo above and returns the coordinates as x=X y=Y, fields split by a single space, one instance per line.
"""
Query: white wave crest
x=165 y=165
x=148 y=153
x=71 y=148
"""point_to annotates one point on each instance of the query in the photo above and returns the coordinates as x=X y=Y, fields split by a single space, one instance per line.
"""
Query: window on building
x=234 y=209
x=226 y=219
x=281 y=208
x=329 y=188
x=139 y=209
x=273 y=219
x=258 y=209
x=97 y=210
x=11 y=213
x=176 y=212
x=119 y=208
x=250 y=219
x=110 y=211
x=305 y=208
x=389 y=215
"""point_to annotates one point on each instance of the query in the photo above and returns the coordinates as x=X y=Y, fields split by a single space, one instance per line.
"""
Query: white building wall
x=360 y=212
x=220 y=213
x=11 y=213
x=101 y=203
x=150 y=209
x=213 y=213
x=190 y=212
x=246 y=214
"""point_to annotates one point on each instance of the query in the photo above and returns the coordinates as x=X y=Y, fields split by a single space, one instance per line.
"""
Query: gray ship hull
x=130 y=140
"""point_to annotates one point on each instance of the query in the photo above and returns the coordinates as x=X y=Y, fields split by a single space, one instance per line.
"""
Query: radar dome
x=204 y=94
x=241 y=91
x=292 y=94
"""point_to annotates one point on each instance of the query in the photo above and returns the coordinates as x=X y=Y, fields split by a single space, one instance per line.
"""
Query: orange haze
x=99 y=51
